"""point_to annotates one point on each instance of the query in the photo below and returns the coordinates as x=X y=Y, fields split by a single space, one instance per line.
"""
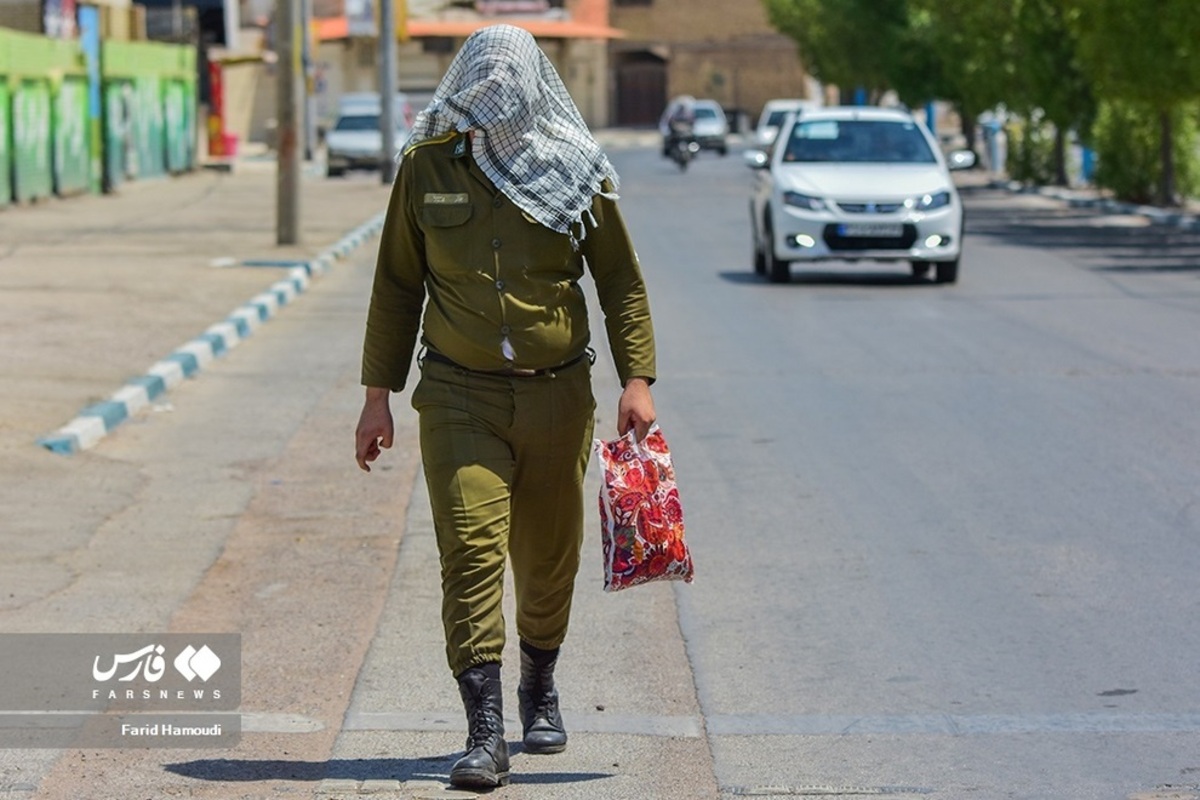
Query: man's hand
x=375 y=427
x=636 y=408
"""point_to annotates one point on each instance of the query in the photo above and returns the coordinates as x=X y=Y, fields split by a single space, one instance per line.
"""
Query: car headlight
x=928 y=202
x=804 y=201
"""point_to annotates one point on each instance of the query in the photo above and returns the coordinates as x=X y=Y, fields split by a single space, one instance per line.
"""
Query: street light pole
x=287 y=183
x=387 y=88
x=307 y=58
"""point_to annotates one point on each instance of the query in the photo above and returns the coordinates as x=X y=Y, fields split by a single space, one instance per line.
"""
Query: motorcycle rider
x=678 y=122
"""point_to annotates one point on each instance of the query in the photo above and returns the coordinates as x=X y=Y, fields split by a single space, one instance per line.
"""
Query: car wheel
x=947 y=271
x=334 y=172
x=778 y=270
x=723 y=150
x=920 y=269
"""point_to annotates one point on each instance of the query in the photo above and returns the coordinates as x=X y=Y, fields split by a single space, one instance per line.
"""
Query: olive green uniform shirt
x=503 y=290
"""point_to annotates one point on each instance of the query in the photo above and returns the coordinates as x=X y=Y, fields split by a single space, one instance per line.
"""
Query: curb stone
x=98 y=420
x=1078 y=199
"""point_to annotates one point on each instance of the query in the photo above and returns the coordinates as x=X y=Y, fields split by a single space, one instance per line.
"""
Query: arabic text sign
x=64 y=672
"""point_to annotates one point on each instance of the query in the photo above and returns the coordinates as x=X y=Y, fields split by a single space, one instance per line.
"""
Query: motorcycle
x=682 y=150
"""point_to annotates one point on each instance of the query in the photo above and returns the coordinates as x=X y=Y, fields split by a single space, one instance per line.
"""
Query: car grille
x=835 y=241
x=870 y=208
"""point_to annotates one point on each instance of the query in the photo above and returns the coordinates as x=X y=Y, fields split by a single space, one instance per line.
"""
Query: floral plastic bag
x=641 y=519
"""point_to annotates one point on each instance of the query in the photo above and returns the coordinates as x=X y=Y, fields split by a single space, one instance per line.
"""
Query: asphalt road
x=946 y=537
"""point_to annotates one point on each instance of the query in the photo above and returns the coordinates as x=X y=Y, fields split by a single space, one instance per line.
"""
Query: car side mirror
x=960 y=159
x=756 y=159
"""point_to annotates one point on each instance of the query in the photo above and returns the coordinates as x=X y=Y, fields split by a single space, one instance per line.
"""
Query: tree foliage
x=848 y=43
x=1146 y=55
x=1139 y=51
x=1045 y=59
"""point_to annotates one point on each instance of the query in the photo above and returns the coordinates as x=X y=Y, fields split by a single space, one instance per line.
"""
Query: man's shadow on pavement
x=233 y=770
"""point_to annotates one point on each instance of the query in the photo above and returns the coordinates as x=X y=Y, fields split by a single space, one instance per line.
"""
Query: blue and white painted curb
x=96 y=421
x=1084 y=199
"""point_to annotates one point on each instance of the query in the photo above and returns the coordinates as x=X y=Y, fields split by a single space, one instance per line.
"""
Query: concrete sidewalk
x=107 y=300
x=345 y=687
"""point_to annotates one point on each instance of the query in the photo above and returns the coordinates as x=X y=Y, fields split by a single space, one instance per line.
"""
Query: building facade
x=724 y=51
x=573 y=34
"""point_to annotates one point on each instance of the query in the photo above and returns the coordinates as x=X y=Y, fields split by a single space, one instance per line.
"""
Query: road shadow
x=1097 y=240
x=234 y=770
x=829 y=278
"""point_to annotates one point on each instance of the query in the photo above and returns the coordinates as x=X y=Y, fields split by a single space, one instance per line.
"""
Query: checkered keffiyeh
x=530 y=139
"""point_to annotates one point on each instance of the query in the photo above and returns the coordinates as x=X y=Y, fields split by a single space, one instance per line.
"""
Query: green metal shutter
x=31 y=140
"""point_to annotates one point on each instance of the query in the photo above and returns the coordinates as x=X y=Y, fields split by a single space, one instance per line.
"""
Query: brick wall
x=691 y=20
x=21 y=15
x=726 y=50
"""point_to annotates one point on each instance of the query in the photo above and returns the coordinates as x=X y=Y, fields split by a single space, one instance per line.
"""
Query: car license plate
x=879 y=230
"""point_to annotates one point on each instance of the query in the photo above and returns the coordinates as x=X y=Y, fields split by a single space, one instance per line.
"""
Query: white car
x=355 y=141
x=773 y=114
x=849 y=183
x=711 y=127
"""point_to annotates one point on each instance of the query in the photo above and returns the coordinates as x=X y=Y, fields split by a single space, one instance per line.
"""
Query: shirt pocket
x=440 y=215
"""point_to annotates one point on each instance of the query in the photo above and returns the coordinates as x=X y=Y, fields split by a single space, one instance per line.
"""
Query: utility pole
x=307 y=59
x=387 y=89
x=287 y=183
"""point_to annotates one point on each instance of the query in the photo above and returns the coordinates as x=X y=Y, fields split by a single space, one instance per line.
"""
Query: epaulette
x=435 y=140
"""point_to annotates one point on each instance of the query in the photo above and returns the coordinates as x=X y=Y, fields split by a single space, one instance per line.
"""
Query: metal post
x=307 y=62
x=387 y=88
x=287 y=184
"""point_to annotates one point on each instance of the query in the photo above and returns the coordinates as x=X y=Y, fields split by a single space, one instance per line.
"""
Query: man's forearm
x=376 y=394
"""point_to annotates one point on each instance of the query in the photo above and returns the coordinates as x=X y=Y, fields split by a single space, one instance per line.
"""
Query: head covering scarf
x=530 y=139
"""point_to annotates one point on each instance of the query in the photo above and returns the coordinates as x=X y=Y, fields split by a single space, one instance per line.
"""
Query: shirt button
x=506 y=330
x=498 y=201
x=500 y=285
x=495 y=244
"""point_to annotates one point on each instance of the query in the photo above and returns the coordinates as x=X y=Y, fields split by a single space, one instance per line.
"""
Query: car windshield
x=358 y=123
x=369 y=122
x=858 y=142
x=775 y=118
x=704 y=112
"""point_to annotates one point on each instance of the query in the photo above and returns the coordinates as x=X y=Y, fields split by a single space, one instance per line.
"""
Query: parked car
x=355 y=141
x=354 y=102
x=849 y=183
x=772 y=116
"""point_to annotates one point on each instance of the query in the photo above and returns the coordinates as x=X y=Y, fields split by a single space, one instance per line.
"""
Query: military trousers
x=504 y=459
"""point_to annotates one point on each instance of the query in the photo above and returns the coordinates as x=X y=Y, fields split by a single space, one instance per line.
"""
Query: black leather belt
x=433 y=355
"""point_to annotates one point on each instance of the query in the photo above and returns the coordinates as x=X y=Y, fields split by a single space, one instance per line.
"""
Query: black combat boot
x=485 y=764
x=540 y=717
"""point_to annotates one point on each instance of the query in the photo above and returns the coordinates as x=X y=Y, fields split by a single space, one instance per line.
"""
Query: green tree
x=923 y=49
x=1050 y=81
x=958 y=51
x=847 y=43
x=1127 y=140
x=1146 y=54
